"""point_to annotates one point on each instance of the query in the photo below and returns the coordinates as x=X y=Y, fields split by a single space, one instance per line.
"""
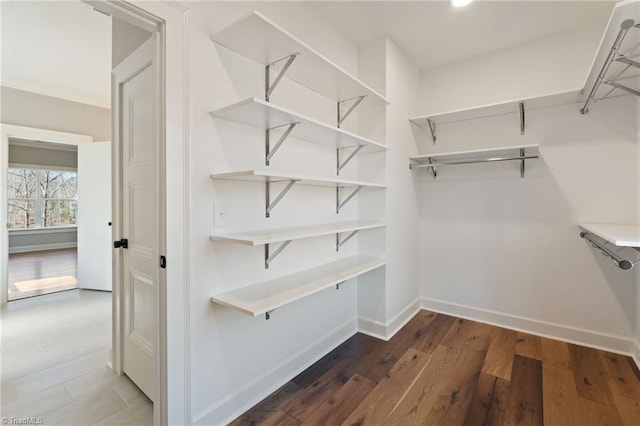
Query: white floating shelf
x=264 y=297
x=620 y=235
x=256 y=238
x=268 y=176
x=500 y=108
x=265 y=115
x=257 y=38
x=530 y=150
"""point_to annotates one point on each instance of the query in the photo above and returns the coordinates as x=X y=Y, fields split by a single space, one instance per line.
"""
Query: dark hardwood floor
x=440 y=370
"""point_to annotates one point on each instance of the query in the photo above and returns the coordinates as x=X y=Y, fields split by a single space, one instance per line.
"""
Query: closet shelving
x=616 y=68
x=269 y=178
x=258 y=38
x=286 y=235
x=432 y=162
x=516 y=107
x=265 y=297
x=269 y=117
x=280 y=53
x=619 y=235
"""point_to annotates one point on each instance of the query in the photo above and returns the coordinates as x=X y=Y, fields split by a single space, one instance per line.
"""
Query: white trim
x=42 y=247
x=41 y=167
x=386 y=331
x=68 y=147
x=636 y=353
x=593 y=339
x=19 y=132
x=48 y=230
x=236 y=403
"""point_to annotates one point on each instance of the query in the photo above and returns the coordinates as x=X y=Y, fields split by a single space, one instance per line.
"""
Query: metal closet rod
x=613 y=53
x=476 y=160
x=619 y=261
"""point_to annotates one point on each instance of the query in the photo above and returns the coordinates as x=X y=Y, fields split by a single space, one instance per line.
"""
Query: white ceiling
x=433 y=33
x=57 y=48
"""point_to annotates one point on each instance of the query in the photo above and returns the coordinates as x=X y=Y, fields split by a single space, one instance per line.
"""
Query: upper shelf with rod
x=619 y=235
x=256 y=37
x=616 y=67
x=516 y=107
x=432 y=162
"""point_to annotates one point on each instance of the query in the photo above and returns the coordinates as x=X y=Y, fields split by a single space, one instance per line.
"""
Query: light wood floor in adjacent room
x=53 y=364
x=440 y=370
x=42 y=272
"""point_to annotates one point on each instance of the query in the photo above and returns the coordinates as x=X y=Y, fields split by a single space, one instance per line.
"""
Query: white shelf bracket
x=522 y=116
x=341 y=241
x=341 y=204
x=340 y=165
x=620 y=262
x=432 y=130
x=623 y=87
x=522 y=162
x=268 y=152
x=269 y=205
x=268 y=258
x=339 y=284
x=341 y=116
x=270 y=87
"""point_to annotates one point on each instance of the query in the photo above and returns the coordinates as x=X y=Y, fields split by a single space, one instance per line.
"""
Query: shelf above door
x=265 y=297
x=258 y=38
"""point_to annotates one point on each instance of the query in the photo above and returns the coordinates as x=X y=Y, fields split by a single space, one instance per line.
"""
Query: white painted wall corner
x=386 y=331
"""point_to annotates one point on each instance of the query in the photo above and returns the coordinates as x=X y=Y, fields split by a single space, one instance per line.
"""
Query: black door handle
x=123 y=243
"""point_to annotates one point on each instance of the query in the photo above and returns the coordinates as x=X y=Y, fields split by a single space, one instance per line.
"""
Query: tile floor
x=53 y=355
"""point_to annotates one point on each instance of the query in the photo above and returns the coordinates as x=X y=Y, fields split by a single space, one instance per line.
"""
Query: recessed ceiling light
x=460 y=3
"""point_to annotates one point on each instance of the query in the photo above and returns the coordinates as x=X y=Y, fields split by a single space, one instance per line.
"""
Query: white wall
x=504 y=249
x=125 y=39
x=544 y=66
x=236 y=359
x=29 y=109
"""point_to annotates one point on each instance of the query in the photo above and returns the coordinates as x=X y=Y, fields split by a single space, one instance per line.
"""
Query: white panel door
x=139 y=220
x=94 y=216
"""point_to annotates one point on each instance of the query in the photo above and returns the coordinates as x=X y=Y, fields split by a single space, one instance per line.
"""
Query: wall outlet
x=218 y=216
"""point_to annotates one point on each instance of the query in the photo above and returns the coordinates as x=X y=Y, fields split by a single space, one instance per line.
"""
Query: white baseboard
x=386 y=331
x=41 y=247
x=636 y=353
x=226 y=410
x=593 y=339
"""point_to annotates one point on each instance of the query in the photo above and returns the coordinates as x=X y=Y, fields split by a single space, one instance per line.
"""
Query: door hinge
x=163 y=262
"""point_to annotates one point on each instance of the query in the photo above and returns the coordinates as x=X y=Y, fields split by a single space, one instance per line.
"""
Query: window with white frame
x=41 y=198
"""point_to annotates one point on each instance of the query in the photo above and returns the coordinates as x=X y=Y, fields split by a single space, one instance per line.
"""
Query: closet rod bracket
x=522 y=162
x=341 y=204
x=356 y=101
x=341 y=241
x=269 y=257
x=340 y=165
x=267 y=315
x=432 y=130
x=269 y=152
x=269 y=205
x=269 y=87
x=522 y=117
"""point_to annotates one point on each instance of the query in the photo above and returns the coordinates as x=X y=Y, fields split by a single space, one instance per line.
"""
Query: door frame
x=8 y=131
x=167 y=20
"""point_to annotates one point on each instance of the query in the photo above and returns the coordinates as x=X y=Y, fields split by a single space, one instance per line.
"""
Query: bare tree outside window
x=41 y=198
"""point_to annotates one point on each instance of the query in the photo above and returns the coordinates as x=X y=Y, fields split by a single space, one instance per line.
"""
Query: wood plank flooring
x=441 y=370
x=37 y=271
